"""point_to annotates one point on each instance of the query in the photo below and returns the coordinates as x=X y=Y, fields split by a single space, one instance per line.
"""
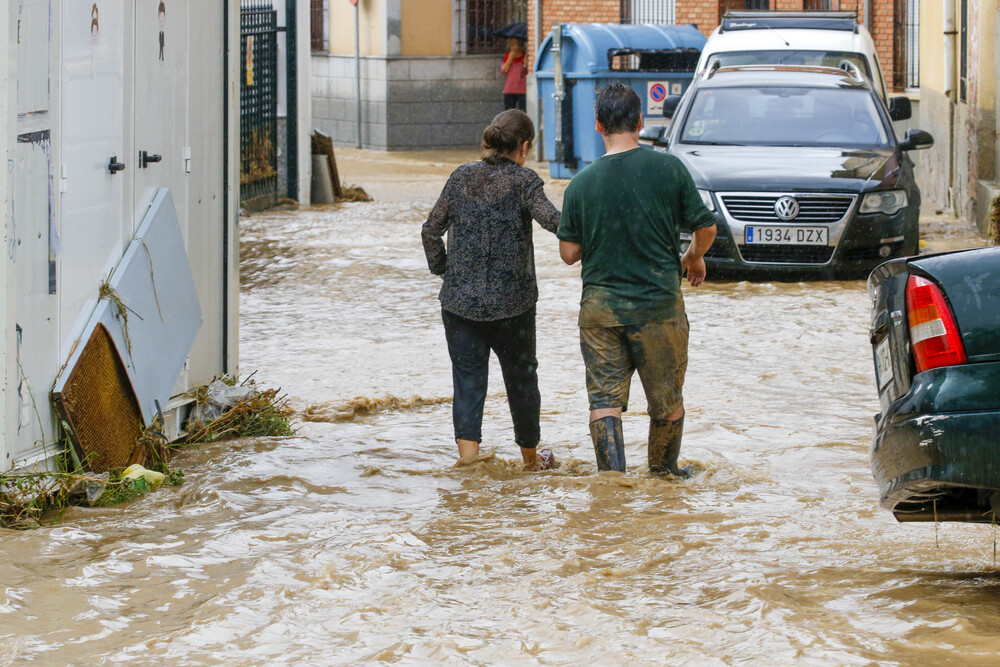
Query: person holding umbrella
x=514 y=66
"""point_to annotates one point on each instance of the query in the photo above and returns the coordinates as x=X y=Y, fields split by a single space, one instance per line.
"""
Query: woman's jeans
x=513 y=341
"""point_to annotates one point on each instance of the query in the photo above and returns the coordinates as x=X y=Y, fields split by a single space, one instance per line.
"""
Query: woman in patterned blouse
x=489 y=291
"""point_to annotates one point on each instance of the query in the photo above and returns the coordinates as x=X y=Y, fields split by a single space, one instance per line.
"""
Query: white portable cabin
x=87 y=89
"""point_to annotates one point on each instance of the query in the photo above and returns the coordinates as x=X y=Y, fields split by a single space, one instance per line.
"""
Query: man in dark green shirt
x=622 y=216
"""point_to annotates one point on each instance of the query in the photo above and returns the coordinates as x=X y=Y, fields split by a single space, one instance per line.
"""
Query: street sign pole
x=357 y=64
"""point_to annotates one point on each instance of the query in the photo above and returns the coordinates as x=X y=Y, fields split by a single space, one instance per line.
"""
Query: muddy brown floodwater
x=359 y=542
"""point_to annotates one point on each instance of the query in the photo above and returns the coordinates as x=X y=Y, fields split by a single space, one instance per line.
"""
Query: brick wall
x=881 y=29
x=705 y=14
x=569 y=11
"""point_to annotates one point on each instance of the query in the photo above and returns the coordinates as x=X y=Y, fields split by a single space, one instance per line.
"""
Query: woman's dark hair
x=617 y=108
x=506 y=133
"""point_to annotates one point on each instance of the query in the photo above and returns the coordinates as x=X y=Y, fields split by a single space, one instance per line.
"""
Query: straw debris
x=242 y=411
x=363 y=406
x=994 y=228
x=37 y=498
x=353 y=193
x=257 y=158
x=108 y=292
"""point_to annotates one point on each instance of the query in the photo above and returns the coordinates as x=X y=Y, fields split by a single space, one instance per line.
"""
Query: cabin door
x=94 y=163
x=160 y=108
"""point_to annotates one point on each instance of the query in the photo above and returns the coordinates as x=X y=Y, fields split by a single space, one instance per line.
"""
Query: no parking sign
x=656 y=93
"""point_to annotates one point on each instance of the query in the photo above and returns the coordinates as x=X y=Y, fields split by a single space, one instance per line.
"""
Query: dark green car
x=935 y=333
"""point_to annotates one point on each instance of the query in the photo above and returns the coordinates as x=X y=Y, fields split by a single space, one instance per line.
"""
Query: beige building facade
x=960 y=58
x=428 y=80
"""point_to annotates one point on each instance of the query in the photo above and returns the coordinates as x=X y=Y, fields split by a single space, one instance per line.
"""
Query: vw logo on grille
x=786 y=208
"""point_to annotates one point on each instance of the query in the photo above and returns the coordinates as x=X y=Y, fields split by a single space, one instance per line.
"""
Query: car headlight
x=884 y=201
x=706 y=197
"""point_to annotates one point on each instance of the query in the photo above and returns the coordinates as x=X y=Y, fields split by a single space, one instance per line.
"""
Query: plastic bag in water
x=221 y=397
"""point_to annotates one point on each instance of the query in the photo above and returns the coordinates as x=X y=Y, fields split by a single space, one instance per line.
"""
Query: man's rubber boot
x=609 y=443
x=665 y=446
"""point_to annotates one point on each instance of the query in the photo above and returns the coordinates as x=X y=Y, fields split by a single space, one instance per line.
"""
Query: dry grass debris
x=36 y=498
x=353 y=193
x=363 y=406
x=257 y=413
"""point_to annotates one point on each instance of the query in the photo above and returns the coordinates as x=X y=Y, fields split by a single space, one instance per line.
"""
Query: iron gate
x=741 y=5
x=648 y=11
x=486 y=16
x=258 y=102
x=906 y=44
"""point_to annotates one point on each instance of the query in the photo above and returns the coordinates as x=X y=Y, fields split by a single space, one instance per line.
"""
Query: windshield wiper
x=713 y=143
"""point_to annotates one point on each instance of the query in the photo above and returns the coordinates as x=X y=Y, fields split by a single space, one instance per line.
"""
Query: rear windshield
x=785 y=116
x=790 y=57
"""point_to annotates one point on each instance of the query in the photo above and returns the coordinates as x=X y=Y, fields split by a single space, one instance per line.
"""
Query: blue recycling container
x=656 y=60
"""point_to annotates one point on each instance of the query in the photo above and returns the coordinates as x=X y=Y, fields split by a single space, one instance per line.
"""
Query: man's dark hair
x=618 y=108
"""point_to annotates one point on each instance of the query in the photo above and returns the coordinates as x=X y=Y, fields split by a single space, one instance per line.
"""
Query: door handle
x=145 y=158
x=114 y=166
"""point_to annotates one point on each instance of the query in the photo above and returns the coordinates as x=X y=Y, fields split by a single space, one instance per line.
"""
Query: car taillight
x=933 y=334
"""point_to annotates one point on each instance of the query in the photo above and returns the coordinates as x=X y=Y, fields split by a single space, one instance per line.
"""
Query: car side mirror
x=916 y=139
x=655 y=134
x=670 y=105
x=900 y=108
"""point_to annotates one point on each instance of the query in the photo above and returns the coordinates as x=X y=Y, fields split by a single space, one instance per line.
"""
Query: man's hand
x=693 y=260
x=570 y=252
x=694 y=268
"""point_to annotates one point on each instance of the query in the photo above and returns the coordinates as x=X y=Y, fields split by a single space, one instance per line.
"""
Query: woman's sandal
x=546 y=459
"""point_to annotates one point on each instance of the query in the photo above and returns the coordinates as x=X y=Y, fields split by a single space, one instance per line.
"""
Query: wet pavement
x=359 y=541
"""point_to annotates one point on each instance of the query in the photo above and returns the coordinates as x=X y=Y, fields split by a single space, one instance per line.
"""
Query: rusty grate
x=100 y=407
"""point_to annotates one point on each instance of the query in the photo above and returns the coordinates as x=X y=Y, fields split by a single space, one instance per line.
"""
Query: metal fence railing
x=483 y=17
x=741 y=5
x=258 y=100
x=963 y=51
x=648 y=11
x=906 y=44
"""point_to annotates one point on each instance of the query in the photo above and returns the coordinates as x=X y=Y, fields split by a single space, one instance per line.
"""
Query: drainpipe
x=357 y=65
x=539 y=141
x=538 y=26
x=949 y=50
x=950 y=91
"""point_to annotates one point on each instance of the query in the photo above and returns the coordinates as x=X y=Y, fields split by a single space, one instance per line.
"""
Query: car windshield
x=790 y=57
x=784 y=116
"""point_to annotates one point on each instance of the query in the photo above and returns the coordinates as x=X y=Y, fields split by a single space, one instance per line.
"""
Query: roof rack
x=851 y=69
x=733 y=21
